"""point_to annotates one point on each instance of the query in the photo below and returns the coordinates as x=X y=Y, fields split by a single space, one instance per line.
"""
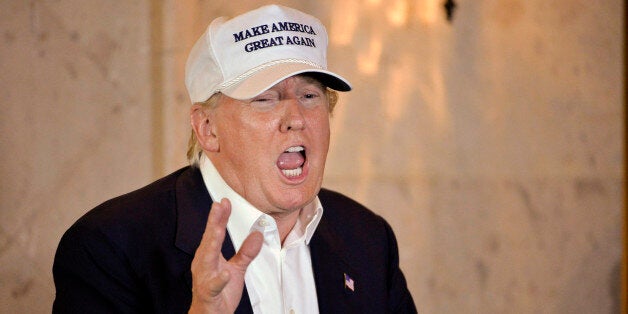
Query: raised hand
x=217 y=284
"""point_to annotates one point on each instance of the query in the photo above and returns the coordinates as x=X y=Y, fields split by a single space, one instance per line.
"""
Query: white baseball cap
x=246 y=55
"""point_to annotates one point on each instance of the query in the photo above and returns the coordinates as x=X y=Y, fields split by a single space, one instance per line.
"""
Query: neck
x=285 y=223
x=287 y=220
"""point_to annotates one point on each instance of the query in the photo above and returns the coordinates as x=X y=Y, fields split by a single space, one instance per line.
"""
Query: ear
x=202 y=124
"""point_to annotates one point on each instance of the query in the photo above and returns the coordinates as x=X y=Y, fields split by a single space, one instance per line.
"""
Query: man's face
x=272 y=148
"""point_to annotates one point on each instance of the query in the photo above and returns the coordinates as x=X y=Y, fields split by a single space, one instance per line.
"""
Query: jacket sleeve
x=92 y=275
x=399 y=297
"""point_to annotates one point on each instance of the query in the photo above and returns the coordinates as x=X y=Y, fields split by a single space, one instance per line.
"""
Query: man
x=262 y=98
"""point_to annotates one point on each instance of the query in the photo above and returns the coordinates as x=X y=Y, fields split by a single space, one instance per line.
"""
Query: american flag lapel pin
x=349 y=283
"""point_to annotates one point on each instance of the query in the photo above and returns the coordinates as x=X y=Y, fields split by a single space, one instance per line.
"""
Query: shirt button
x=263 y=223
x=292 y=311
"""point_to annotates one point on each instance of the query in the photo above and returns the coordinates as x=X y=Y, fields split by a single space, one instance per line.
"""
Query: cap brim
x=267 y=77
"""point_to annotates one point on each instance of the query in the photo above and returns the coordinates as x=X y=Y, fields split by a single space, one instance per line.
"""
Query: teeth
x=292 y=172
x=295 y=149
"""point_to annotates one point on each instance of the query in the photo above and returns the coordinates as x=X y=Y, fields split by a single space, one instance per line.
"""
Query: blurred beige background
x=493 y=145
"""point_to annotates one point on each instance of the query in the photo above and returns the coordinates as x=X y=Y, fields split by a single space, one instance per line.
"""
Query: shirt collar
x=310 y=217
x=246 y=218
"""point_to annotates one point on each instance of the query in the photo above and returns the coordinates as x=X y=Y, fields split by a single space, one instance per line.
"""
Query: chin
x=297 y=199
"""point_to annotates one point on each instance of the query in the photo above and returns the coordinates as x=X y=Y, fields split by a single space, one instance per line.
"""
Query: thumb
x=248 y=251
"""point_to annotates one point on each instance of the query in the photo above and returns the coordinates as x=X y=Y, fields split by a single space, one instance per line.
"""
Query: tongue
x=290 y=161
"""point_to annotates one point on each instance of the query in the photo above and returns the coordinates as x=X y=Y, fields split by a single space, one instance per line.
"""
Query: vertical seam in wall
x=624 y=272
x=156 y=83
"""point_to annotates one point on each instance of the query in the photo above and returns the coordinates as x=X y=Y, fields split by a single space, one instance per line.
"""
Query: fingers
x=219 y=214
x=209 y=277
x=217 y=284
x=248 y=251
x=211 y=243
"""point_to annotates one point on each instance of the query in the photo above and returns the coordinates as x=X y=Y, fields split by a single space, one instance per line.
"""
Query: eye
x=310 y=94
x=264 y=101
x=262 y=98
x=310 y=98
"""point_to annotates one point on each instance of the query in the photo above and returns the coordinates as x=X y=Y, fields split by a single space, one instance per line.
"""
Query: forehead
x=304 y=78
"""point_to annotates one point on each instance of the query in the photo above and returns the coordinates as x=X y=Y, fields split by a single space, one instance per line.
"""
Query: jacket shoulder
x=341 y=208
x=141 y=214
x=120 y=256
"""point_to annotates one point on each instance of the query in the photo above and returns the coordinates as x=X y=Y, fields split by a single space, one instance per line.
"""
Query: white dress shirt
x=280 y=279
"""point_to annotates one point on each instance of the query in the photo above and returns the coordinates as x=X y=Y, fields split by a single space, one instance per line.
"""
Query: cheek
x=249 y=140
x=322 y=126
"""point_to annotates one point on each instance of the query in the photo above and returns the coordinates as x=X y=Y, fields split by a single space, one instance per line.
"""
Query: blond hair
x=194 y=148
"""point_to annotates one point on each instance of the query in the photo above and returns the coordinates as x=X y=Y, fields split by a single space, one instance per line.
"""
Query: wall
x=75 y=125
x=492 y=144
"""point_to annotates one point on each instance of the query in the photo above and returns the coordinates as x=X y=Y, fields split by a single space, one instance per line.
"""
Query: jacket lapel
x=337 y=283
x=193 y=204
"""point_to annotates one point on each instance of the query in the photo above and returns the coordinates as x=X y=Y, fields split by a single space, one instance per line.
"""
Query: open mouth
x=291 y=161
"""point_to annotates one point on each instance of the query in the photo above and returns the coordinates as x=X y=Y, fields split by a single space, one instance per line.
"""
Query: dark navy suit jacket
x=132 y=254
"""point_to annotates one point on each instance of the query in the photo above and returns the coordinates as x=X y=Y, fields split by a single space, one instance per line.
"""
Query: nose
x=293 y=118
